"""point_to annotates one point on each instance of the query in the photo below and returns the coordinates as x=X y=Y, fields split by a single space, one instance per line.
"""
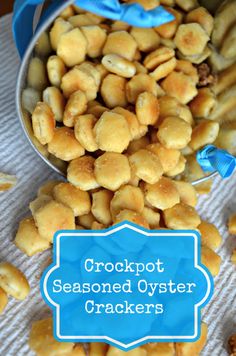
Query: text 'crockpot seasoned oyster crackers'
x=121 y=111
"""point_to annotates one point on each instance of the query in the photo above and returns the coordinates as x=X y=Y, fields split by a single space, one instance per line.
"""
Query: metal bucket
x=24 y=116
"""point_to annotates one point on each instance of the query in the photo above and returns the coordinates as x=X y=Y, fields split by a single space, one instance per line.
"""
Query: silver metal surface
x=21 y=84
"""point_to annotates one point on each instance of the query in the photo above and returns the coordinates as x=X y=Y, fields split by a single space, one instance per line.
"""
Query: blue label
x=126 y=286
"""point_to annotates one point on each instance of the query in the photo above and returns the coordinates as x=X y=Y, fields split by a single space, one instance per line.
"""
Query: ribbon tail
x=110 y=9
x=135 y=15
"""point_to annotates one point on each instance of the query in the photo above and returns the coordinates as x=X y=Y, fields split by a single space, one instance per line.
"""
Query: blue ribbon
x=213 y=159
x=134 y=14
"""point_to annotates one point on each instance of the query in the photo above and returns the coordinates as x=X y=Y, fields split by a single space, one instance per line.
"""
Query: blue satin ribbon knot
x=134 y=14
x=213 y=159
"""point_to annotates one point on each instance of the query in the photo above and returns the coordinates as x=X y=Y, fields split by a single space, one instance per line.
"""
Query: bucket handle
x=134 y=14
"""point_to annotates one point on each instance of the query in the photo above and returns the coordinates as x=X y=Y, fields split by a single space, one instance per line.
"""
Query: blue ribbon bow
x=212 y=159
x=134 y=14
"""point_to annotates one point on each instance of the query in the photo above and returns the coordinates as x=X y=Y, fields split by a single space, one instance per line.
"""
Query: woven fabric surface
x=17 y=157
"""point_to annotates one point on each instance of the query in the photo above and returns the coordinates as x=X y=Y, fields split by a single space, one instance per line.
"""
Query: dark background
x=6 y=6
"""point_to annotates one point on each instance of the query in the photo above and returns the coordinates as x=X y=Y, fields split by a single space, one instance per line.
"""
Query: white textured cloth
x=17 y=157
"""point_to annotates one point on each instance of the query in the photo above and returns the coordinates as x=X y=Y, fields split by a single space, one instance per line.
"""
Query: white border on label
x=106 y=338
